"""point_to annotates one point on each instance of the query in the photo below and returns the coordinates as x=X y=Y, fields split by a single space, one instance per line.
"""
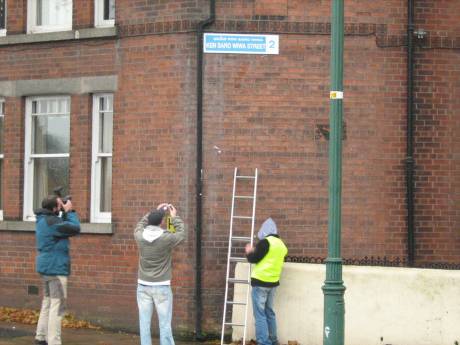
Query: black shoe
x=40 y=342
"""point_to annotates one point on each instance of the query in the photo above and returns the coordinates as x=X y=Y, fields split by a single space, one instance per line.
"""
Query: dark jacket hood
x=43 y=212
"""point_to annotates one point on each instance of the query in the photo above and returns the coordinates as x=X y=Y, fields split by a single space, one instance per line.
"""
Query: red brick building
x=101 y=97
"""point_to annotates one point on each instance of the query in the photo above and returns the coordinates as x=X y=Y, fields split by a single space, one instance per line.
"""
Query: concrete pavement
x=20 y=334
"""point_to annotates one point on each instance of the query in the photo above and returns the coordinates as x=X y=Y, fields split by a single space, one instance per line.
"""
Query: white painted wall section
x=383 y=305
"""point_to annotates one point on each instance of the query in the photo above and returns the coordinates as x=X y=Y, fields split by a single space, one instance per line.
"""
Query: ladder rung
x=245 y=176
x=235 y=324
x=237 y=281
x=236 y=303
x=242 y=217
x=243 y=197
x=241 y=238
x=236 y=259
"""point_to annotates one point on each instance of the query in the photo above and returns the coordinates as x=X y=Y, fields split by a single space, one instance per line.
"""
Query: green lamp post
x=333 y=289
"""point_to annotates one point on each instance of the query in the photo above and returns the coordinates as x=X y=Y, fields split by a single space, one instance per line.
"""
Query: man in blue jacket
x=52 y=233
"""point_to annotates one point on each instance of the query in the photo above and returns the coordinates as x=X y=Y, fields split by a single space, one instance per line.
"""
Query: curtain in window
x=109 y=9
x=54 y=12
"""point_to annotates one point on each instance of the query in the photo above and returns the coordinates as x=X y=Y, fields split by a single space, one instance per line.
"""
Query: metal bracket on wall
x=322 y=131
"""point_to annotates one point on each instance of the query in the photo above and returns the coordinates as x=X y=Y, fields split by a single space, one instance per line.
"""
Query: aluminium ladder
x=234 y=259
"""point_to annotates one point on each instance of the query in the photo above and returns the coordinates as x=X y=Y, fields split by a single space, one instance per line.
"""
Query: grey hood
x=151 y=233
x=268 y=228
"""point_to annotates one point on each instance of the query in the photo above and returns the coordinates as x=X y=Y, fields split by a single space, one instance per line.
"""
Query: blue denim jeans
x=264 y=315
x=161 y=296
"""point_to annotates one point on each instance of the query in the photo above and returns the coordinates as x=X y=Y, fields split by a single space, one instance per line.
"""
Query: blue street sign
x=240 y=44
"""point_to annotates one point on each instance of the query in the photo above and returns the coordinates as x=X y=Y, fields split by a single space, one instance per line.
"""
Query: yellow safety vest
x=269 y=268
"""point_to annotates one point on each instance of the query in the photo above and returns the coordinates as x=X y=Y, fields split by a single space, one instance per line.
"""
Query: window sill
x=86 y=228
x=59 y=36
x=105 y=24
x=50 y=28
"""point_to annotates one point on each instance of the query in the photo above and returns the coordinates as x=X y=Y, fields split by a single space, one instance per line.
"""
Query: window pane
x=39 y=12
x=2 y=104
x=63 y=106
x=54 y=12
x=109 y=9
x=49 y=173
x=58 y=106
x=1 y=134
x=106 y=103
x=105 y=132
x=2 y=14
x=102 y=103
x=50 y=134
x=43 y=106
x=105 y=124
x=1 y=182
x=106 y=184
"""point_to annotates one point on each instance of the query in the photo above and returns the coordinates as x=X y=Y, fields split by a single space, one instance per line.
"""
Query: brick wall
x=436 y=134
x=83 y=14
x=269 y=112
x=14 y=153
x=16 y=16
x=144 y=11
x=269 y=117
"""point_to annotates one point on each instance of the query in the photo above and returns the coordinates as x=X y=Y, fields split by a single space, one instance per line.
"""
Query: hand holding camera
x=64 y=203
x=67 y=206
x=168 y=208
x=172 y=210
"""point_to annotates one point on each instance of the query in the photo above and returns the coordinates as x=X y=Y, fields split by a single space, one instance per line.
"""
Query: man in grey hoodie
x=154 y=277
x=268 y=257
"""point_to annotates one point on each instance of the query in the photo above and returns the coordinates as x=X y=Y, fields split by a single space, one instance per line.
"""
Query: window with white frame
x=101 y=169
x=49 y=15
x=104 y=13
x=47 y=145
x=2 y=17
x=2 y=121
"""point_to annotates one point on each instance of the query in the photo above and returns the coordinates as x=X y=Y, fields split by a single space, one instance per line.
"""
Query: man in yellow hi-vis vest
x=268 y=257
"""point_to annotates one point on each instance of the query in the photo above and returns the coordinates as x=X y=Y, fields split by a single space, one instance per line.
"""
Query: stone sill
x=58 y=36
x=86 y=228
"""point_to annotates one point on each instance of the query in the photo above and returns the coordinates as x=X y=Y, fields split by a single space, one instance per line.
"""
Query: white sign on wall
x=240 y=44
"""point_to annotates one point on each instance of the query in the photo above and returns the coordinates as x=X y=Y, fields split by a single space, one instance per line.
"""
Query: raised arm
x=69 y=224
x=141 y=225
x=179 y=235
x=254 y=255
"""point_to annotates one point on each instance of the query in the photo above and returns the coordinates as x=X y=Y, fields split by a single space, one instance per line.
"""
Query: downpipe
x=199 y=171
x=409 y=161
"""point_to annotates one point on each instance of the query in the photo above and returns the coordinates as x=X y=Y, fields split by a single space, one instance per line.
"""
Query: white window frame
x=99 y=20
x=28 y=212
x=3 y=30
x=96 y=168
x=33 y=28
x=2 y=156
